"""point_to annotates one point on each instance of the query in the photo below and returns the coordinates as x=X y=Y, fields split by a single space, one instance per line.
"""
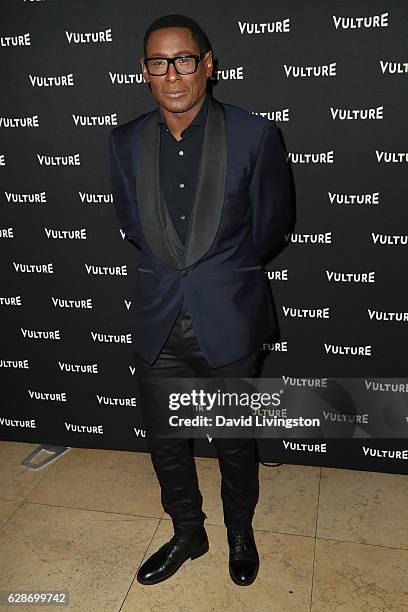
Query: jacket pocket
x=244 y=269
x=146 y=270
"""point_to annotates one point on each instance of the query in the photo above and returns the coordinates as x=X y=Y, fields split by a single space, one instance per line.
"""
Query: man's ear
x=144 y=71
x=208 y=61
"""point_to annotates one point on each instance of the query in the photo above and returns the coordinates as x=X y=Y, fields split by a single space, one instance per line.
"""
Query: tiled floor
x=329 y=540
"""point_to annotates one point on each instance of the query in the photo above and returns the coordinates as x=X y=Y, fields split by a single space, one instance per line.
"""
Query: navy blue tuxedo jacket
x=243 y=206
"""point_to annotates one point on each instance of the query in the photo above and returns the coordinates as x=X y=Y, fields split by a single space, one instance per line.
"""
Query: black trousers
x=173 y=460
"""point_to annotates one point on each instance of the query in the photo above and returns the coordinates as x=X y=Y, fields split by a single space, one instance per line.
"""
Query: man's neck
x=177 y=122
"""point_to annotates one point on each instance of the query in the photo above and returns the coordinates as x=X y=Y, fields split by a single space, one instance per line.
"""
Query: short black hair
x=179 y=21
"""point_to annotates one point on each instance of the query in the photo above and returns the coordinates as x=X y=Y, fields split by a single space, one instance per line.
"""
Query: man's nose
x=172 y=74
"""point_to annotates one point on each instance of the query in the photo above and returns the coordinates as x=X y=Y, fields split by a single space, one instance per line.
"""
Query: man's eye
x=158 y=62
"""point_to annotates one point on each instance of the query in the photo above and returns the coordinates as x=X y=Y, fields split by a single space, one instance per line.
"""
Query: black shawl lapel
x=209 y=196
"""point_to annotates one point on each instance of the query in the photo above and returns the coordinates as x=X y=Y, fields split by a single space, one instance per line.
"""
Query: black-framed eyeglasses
x=184 y=64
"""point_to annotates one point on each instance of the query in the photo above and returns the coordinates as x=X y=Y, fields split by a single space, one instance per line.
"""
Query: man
x=202 y=188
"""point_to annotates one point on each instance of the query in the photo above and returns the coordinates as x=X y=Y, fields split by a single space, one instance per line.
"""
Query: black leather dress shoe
x=243 y=558
x=170 y=557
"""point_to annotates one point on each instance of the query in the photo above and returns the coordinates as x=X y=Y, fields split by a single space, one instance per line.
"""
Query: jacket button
x=184 y=272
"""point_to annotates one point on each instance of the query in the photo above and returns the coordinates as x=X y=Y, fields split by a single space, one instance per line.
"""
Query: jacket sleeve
x=124 y=195
x=270 y=192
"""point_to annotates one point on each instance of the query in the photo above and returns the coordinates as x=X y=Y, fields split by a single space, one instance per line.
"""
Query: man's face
x=172 y=42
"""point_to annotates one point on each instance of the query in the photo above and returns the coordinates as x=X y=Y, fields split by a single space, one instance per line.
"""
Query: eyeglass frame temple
x=171 y=60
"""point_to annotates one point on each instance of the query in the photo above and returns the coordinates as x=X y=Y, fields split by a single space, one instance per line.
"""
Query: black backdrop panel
x=334 y=78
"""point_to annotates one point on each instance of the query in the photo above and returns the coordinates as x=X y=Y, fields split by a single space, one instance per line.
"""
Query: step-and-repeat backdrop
x=333 y=76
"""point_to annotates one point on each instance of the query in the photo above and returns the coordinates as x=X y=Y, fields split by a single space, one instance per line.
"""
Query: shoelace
x=240 y=540
x=172 y=542
x=169 y=545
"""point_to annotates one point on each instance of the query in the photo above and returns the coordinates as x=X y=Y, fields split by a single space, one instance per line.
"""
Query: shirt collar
x=200 y=117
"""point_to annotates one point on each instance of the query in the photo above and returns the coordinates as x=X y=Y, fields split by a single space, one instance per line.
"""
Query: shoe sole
x=244 y=583
x=201 y=551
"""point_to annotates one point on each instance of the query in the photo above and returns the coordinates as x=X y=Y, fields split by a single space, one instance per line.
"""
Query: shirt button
x=182 y=217
x=184 y=273
x=181 y=185
x=181 y=152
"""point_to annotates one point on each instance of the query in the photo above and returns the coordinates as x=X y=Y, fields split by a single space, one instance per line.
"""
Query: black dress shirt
x=179 y=164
